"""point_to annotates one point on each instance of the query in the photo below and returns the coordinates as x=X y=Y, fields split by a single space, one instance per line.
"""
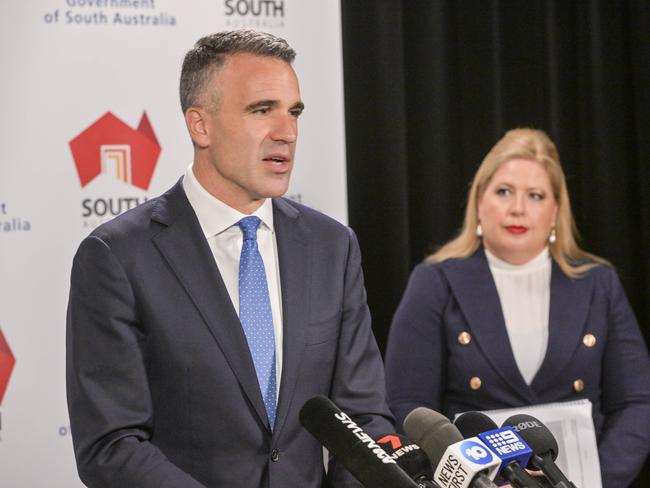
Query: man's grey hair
x=210 y=52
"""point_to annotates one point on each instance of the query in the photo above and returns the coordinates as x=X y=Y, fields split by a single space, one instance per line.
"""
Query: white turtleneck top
x=524 y=292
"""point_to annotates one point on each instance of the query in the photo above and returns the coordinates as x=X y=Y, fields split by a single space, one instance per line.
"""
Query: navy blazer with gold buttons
x=448 y=350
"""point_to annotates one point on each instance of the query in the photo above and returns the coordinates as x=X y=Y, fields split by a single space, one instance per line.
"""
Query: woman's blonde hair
x=533 y=145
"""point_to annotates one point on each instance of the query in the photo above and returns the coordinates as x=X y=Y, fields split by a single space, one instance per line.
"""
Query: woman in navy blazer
x=461 y=338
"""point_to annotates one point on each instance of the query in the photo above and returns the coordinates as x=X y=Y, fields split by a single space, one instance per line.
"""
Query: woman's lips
x=516 y=229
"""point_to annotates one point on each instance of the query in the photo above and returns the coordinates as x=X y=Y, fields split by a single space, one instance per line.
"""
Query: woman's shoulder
x=426 y=271
x=600 y=274
x=441 y=274
x=588 y=267
x=430 y=284
x=446 y=265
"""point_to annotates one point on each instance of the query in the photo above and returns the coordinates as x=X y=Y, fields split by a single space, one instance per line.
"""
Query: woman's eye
x=537 y=196
x=503 y=192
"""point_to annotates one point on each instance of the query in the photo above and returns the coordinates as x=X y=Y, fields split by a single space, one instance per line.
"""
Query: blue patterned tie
x=255 y=313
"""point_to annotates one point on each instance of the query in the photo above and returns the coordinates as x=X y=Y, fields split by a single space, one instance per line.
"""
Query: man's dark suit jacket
x=162 y=390
x=427 y=365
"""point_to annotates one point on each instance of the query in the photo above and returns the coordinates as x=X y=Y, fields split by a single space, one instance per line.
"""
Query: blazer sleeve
x=108 y=394
x=358 y=386
x=416 y=355
x=625 y=437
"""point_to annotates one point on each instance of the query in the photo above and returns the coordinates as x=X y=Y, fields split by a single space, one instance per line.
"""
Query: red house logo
x=111 y=147
x=7 y=362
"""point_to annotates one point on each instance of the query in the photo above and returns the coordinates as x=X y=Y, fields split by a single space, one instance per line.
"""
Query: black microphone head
x=351 y=446
x=472 y=424
x=408 y=455
x=535 y=434
x=432 y=431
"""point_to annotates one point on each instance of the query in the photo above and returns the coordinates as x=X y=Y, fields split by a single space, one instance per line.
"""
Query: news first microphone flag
x=460 y=463
x=91 y=126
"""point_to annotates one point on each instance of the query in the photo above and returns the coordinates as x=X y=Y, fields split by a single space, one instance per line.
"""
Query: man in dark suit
x=200 y=322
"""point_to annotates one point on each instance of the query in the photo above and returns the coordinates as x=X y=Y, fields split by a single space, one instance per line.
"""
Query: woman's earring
x=479 y=230
x=552 y=237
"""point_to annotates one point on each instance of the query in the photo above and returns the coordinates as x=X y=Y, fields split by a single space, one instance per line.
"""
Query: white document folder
x=572 y=425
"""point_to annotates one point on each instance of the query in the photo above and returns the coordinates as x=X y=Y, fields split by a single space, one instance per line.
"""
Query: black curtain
x=430 y=86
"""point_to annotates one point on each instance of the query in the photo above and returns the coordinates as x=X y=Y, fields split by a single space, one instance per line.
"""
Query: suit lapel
x=295 y=275
x=185 y=248
x=477 y=296
x=570 y=300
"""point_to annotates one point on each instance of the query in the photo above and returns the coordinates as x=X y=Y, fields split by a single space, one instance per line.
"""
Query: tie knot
x=248 y=226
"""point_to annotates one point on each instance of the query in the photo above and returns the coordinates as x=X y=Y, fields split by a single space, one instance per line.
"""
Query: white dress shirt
x=524 y=292
x=225 y=238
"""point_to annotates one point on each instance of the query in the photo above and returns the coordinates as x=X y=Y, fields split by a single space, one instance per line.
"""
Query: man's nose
x=285 y=129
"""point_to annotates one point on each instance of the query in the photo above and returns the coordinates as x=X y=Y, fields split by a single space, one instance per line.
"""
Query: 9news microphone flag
x=504 y=443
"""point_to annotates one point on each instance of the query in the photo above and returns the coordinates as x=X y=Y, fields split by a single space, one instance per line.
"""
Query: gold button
x=475 y=383
x=578 y=385
x=464 y=338
x=589 y=340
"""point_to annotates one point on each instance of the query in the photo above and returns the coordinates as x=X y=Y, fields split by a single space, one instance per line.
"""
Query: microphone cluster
x=473 y=453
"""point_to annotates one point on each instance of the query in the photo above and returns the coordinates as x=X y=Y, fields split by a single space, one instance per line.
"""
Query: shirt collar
x=215 y=216
x=539 y=261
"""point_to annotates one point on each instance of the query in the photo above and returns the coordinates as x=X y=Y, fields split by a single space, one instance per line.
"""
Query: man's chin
x=275 y=191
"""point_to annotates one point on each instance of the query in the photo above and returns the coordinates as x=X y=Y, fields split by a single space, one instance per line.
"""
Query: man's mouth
x=276 y=159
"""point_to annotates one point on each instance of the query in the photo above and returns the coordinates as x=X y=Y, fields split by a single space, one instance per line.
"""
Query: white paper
x=573 y=427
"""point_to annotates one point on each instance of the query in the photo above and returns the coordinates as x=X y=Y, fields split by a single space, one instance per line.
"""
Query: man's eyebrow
x=261 y=104
x=271 y=103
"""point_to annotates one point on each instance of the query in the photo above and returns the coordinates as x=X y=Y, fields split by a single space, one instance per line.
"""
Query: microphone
x=544 y=447
x=410 y=457
x=350 y=445
x=462 y=463
x=505 y=443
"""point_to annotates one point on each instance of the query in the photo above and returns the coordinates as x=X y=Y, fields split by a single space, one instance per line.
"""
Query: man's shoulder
x=311 y=218
x=126 y=225
x=142 y=220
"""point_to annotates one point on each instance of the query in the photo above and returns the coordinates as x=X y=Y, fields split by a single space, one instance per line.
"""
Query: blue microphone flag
x=507 y=445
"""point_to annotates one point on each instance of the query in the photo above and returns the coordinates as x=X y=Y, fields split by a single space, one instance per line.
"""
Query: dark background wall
x=430 y=86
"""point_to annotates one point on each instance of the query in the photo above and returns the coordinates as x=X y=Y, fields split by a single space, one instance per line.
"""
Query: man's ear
x=197 y=125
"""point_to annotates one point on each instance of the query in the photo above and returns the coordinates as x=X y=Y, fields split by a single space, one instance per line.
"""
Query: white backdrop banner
x=91 y=126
